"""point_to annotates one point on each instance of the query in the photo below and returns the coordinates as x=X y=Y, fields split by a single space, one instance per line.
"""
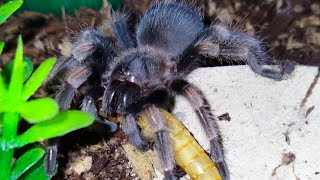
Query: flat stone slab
x=271 y=134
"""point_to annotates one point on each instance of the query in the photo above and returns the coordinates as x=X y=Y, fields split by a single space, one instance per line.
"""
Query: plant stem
x=10 y=128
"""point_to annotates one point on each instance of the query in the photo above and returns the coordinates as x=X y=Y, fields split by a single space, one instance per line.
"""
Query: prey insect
x=188 y=153
x=143 y=72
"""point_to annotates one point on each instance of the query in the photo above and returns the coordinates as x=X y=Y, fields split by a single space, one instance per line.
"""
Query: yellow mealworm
x=188 y=153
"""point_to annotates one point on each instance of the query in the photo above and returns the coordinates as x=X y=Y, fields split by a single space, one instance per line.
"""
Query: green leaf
x=28 y=68
x=9 y=8
x=6 y=72
x=36 y=172
x=16 y=80
x=1 y=120
x=2 y=89
x=1 y=124
x=37 y=78
x=26 y=161
x=60 y=125
x=1 y=46
x=38 y=110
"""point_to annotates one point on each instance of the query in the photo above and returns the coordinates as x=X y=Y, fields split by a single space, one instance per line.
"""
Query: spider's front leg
x=130 y=128
x=208 y=123
x=122 y=32
x=73 y=80
x=222 y=44
x=163 y=146
x=90 y=49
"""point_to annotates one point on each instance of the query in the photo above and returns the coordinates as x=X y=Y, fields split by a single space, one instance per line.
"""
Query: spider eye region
x=139 y=69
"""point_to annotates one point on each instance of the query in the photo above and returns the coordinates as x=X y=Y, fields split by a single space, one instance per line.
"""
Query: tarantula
x=145 y=71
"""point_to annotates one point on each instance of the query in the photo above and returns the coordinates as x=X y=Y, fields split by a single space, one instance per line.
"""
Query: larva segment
x=188 y=153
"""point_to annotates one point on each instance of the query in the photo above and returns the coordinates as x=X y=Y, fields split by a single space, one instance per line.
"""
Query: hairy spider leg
x=74 y=80
x=50 y=160
x=166 y=154
x=130 y=128
x=64 y=98
x=208 y=123
x=122 y=32
x=90 y=48
x=219 y=43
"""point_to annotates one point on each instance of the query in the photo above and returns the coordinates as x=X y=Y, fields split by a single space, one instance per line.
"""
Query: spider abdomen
x=171 y=27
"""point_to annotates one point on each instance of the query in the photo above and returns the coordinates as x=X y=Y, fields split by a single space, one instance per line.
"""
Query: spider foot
x=288 y=66
x=169 y=175
x=129 y=126
x=142 y=145
x=51 y=160
x=217 y=157
x=110 y=126
x=272 y=74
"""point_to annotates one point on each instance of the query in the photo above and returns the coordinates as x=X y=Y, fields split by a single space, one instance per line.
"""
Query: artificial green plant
x=9 y=8
x=42 y=113
x=17 y=85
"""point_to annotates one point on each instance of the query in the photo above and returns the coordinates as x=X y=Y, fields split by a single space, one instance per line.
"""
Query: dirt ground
x=290 y=30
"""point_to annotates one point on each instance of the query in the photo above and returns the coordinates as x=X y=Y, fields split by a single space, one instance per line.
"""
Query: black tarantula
x=146 y=71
